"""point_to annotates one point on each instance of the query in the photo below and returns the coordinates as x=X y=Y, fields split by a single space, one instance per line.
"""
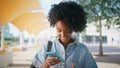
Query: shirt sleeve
x=89 y=61
x=39 y=58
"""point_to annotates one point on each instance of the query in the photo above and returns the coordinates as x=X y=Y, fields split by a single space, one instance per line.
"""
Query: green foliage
x=11 y=41
x=103 y=9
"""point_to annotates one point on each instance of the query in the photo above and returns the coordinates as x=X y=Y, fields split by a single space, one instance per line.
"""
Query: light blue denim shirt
x=76 y=53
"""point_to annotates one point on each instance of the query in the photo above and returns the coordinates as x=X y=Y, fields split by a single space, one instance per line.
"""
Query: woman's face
x=63 y=32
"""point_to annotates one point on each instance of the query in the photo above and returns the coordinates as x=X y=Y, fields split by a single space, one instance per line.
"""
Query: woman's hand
x=73 y=66
x=50 y=61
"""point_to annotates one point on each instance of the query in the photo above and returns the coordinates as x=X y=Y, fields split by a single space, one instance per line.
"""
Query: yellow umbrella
x=10 y=9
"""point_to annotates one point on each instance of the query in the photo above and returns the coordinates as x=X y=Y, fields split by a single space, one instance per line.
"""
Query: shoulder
x=55 y=41
x=83 y=47
x=44 y=45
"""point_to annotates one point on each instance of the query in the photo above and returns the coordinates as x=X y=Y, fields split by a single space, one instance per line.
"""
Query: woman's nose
x=62 y=34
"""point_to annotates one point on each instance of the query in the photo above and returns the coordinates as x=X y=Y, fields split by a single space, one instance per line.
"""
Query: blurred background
x=24 y=29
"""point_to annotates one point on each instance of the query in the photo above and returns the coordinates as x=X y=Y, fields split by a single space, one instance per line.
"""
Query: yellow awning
x=37 y=28
x=10 y=9
x=31 y=22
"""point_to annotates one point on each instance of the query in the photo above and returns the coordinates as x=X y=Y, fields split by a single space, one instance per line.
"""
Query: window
x=95 y=39
x=89 y=39
x=104 y=39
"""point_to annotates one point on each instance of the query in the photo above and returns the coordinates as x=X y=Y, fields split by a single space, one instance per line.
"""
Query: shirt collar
x=76 y=41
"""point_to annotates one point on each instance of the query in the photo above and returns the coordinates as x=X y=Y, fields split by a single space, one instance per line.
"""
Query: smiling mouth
x=63 y=38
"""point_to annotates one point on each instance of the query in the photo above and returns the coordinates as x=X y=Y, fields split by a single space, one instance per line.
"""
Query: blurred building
x=109 y=36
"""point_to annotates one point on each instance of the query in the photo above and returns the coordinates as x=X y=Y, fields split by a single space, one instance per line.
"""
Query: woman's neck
x=66 y=44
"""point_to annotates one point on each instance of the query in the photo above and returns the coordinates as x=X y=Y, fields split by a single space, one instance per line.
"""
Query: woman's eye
x=68 y=31
x=58 y=31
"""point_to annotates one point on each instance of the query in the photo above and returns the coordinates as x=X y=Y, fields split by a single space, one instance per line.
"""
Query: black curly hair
x=70 y=12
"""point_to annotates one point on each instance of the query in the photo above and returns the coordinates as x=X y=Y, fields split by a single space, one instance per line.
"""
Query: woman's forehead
x=61 y=24
x=63 y=27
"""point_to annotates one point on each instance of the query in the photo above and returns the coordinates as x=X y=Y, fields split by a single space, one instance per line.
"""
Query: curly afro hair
x=70 y=12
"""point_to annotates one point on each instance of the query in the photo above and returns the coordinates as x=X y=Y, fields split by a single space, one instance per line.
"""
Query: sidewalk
x=111 y=58
x=23 y=59
x=108 y=61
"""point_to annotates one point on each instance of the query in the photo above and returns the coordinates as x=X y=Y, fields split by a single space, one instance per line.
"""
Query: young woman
x=66 y=17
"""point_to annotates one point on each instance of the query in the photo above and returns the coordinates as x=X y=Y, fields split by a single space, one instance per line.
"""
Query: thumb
x=73 y=66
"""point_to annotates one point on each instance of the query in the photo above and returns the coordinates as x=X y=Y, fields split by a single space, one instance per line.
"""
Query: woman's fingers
x=73 y=66
x=52 y=61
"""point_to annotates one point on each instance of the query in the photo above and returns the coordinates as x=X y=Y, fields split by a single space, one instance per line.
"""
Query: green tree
x=98 y=10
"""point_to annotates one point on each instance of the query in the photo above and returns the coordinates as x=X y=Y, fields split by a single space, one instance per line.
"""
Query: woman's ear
x=73 y=35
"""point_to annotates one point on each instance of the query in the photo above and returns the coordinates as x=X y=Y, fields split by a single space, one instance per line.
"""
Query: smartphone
x=52 y=54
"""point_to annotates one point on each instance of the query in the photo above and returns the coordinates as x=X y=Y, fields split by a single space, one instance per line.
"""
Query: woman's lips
x=64 y=39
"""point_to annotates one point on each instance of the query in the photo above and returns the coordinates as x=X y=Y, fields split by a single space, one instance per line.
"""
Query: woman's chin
x=64 y=41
